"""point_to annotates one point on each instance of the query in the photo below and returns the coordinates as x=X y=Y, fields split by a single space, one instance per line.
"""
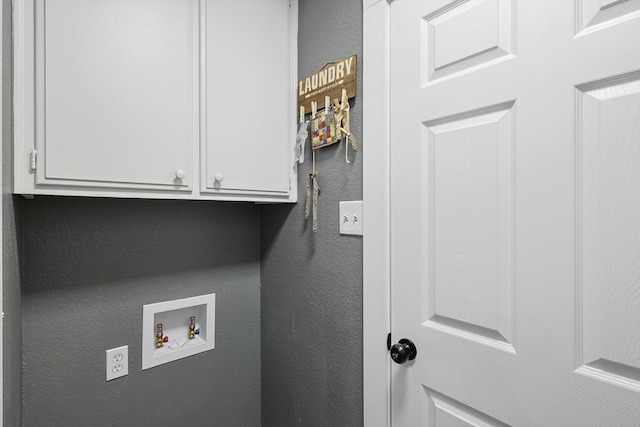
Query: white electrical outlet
x=117 y=362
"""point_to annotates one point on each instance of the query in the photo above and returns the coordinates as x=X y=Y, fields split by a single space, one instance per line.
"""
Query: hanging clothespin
x=338 y=114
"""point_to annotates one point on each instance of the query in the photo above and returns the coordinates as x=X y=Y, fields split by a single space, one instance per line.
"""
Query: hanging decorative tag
x=312 y=193
x=323 y=129
x=311 y=206
x=345 y=127
x=301 y=139
x=316 y=192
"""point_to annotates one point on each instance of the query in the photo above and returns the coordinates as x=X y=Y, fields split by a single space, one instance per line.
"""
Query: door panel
x=610 y=229
x=514 y=212
x=486 y=30
x=450 y=413
x=472 y=204
x=598 y=13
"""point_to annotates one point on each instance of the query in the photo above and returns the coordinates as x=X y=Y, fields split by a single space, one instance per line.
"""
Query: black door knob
x=402 y=351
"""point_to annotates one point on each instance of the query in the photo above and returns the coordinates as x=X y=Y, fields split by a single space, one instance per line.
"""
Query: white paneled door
x=515 y=212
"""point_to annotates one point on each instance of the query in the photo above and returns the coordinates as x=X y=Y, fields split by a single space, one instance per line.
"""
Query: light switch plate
x=351 y=217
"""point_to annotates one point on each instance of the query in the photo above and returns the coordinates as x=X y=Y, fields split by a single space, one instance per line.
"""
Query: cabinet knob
x=219 y=177
x=180 y=174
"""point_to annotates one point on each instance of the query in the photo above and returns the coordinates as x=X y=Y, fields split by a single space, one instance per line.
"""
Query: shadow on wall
x=70 y=241
x=277 y=216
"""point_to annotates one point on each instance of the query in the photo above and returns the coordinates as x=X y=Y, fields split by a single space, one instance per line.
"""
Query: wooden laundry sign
x=328 y=82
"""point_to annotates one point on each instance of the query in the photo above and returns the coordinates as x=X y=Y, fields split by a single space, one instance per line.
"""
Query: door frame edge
x=376 y=201
x=2 y=142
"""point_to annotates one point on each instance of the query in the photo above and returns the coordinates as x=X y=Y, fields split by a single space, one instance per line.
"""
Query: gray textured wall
x=312 y=283
x=12 y=305
x=88 y=267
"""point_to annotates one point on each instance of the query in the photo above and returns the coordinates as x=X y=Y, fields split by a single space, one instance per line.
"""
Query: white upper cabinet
x=118 y=94
x=246 y=123
x=158 y=99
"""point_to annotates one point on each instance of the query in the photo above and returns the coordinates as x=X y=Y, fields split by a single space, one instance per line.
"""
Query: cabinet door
x=249 y=92
x=117 y=93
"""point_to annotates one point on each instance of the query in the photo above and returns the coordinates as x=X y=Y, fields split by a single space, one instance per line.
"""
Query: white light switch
x=351 y=217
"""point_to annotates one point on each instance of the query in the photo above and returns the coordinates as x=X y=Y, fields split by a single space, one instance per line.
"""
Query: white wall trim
x=1 y=234
x=293 y=96
x=376 y=240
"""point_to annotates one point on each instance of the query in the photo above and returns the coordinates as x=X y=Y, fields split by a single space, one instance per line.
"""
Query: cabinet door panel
x=118 y=92
x=248 y=123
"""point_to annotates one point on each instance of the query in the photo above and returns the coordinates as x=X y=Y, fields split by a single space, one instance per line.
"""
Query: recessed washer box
x=175 y=317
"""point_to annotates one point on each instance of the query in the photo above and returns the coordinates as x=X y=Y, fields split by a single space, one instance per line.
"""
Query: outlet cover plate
x=117 y=362
x=351 y=217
